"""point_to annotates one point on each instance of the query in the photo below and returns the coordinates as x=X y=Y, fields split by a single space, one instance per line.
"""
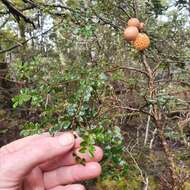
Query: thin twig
x=153 y=137
x=147 y=126
x=16 y=12
x=134 y=109
x=33 y=37
x=127 y=68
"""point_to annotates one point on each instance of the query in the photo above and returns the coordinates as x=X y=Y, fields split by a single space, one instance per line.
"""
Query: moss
x=2 y=113
x=134 y=183
x=153 y=183
x=110 y=184
x=187 y=186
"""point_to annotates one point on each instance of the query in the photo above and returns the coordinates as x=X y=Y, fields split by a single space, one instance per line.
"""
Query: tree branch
x=17 y=13
x=33 y=37
x=128 y=68
x=134 y=110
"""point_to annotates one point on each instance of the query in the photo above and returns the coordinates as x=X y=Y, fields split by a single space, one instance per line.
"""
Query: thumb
x=36 y=152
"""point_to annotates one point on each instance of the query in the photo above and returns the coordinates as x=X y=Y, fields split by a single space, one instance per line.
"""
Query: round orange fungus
x=142 y=42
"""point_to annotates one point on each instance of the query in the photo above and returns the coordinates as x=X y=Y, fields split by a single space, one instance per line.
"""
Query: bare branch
x=134 y=110
x=128 y=68
x=33 y=37
x=17 y=13
x=4 y=23
x=121 y=8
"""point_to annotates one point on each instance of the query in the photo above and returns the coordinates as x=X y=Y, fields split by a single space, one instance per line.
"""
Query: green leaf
x=91 y=150
x=83 y=150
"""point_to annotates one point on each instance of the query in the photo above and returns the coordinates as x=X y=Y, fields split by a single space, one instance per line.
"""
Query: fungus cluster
x=133 y=34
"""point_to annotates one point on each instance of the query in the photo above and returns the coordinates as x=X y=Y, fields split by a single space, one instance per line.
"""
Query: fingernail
x=66 y=139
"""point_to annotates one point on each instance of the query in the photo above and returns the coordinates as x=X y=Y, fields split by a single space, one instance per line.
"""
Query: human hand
x=42 y=162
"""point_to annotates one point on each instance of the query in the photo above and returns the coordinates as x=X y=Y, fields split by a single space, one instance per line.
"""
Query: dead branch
x=33 y=37
x=17 y=13
x=134 y=110
x=127 y=68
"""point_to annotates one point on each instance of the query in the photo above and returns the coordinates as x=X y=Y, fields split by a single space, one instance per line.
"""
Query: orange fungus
x=131 y=33
x=142 y=41
x=134 y=22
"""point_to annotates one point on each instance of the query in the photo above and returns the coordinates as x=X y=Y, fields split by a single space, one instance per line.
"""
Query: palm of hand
x=39 y=162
